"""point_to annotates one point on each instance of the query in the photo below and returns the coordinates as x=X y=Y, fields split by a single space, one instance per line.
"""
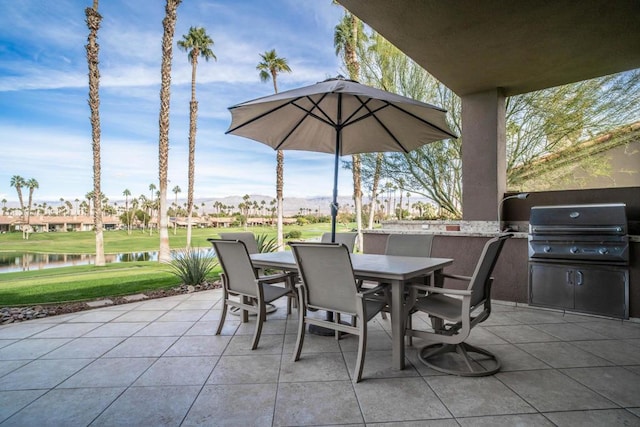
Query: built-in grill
x=579 y=258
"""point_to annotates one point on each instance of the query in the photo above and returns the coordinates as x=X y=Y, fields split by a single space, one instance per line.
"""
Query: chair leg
x=362 y=349
x=223 y=316
x=259 y=320
x=301 y=329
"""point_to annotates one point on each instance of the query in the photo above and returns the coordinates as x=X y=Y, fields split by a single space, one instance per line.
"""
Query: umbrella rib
x=452 y=135
x=261 y=115
x=386 y=129
x=308 y=113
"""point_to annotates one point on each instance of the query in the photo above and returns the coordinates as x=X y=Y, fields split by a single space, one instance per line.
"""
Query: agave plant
x=192 y=266
x=266 y=244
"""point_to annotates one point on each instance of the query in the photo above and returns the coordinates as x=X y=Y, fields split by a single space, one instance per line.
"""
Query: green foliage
x=293 y=234
x=192 y=266
x=266 y=243
x=537 y=123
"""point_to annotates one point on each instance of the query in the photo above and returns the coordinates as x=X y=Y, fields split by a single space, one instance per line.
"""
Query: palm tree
x=269 y=68
x=348 y=35
x=32 y=184
x=4 y=206
x=152 y=189
x=176 y=190
x=18 y=182
x=93 y=23
x=169 y=26
x=374 y=187
x=197 y=43
x=126 y=193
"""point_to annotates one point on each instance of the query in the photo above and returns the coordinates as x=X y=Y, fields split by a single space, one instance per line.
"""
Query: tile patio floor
x=157 y=363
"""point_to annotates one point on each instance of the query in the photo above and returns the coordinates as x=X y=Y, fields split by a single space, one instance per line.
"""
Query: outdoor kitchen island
x=511 y=272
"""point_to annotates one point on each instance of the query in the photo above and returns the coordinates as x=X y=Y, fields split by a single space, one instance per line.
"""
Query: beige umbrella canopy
x=341 y=117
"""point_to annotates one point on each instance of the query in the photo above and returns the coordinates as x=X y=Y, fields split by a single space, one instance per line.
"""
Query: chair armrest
x=455 y=276
x=436 y=290
x=370 y=291
x=274 y=278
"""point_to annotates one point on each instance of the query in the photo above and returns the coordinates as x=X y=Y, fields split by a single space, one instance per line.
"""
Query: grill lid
x=604 y=218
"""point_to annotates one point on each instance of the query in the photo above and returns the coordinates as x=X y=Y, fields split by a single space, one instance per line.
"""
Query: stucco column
x=484 y=166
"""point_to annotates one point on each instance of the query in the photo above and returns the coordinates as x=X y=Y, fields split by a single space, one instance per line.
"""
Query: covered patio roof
x=473 y=46
x=487 y=50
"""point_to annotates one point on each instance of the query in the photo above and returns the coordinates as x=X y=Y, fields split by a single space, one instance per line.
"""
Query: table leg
x=397 y=324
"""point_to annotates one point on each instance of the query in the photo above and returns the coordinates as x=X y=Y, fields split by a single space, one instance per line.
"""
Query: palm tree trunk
x=193 y=117
x=169 y=25
x=93 y=23
x=374 y=189
x=357 y=197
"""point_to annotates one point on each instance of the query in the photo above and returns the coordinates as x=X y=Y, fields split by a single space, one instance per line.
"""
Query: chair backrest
x=347 y=239
x=418 y=245
x=246 y=237
x=327 y=276
x=236 y=265
x=480 y=282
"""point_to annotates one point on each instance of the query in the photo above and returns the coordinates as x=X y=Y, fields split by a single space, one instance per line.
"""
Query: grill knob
x=603 y=251
x=547 y=249
x=573 y=250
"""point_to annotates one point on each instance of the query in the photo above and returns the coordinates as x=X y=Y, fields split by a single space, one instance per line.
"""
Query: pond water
x=14 y=261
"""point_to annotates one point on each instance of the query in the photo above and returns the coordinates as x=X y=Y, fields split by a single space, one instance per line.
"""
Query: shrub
x=192 y=266
x=293 y=234
x=266 y=244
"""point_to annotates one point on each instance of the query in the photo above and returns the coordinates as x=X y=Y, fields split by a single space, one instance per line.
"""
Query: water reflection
x=15 y=261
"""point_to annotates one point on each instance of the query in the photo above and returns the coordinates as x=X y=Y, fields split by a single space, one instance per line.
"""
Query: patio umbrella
x=341 y=117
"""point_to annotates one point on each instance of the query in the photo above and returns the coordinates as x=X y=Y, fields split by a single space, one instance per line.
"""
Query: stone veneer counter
x=466 y=229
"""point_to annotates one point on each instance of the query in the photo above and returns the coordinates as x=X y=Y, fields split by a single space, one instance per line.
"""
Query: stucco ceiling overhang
x=518 y=45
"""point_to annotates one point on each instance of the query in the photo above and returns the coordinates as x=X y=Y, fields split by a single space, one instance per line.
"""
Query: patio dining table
x=395 y=270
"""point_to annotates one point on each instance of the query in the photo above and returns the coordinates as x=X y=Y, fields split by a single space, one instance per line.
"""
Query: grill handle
x=575 y=230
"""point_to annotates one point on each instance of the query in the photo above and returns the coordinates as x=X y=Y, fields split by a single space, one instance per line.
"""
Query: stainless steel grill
x=579 y=258
x=579 y=233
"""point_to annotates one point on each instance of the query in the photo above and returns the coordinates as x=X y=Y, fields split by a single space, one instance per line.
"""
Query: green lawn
x=88 y=282
x=119 y=241
x=85 y=282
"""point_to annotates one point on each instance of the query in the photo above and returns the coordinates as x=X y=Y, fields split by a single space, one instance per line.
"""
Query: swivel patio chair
x=244 y=288
x=454 y=313
x=328 y=283
x=347 y=239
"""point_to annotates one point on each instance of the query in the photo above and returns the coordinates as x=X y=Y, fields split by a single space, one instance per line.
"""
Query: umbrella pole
x=334 y=203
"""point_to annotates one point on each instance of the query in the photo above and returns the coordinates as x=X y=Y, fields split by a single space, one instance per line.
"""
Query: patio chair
x=347 y=239
x=418 y=245
x=454 y=313
x=246 y=237
x=328 y=283
x=240 y=280
x=250 y=241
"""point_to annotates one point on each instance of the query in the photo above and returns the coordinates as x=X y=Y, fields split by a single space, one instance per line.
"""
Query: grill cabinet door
x=551 y=285
x=602 y=290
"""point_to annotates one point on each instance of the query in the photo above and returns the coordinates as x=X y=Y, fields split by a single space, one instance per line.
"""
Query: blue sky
x=44 y=117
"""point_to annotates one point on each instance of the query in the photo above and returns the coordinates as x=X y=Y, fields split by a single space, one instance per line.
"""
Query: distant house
x=611 y=160
x=43 y=223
